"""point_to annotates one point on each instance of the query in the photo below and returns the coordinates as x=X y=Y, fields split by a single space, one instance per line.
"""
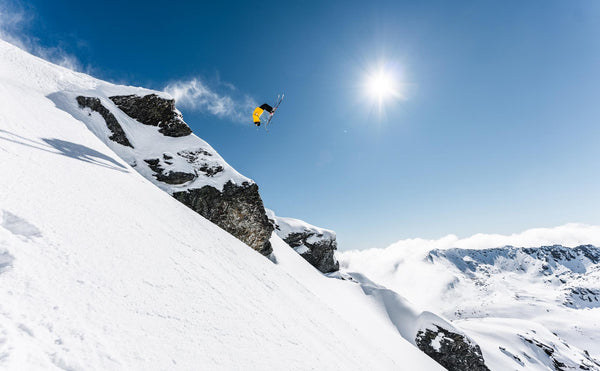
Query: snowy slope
x=390 y=322
x=100 y=269
x=528 y=308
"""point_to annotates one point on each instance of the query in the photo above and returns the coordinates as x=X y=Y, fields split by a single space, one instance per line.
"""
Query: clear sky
x=497 y=129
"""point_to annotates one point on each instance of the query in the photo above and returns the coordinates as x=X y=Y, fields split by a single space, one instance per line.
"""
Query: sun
x=381 y=85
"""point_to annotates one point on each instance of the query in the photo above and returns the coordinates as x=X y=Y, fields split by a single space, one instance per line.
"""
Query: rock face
x=238 y=210
x=187 y=168
x=155 y=111
x=320 y=252
x=118 y=135
x=316 y=245
x=451 y=350
x=170 y=177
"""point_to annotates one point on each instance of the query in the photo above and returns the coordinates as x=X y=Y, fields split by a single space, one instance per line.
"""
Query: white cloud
x=195 y=94
x=571 y=234
x=14 y=19
x=402 y=266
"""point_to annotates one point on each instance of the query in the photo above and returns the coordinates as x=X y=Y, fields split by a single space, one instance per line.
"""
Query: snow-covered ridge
x=572 y=275
x=153 y=154
x=22 y=71
x=546 y=259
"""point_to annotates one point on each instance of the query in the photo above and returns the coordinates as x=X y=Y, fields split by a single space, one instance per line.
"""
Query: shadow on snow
x=66 y=148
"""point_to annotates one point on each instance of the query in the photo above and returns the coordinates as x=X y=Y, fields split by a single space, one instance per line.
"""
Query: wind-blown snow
x=100 y=269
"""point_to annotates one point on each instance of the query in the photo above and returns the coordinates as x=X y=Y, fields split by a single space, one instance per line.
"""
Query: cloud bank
x=14 y=20
x=197 y=95
x=571 y=234
x=402 y=266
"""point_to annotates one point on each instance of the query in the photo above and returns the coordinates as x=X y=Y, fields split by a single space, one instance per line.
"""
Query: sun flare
x=381 y=85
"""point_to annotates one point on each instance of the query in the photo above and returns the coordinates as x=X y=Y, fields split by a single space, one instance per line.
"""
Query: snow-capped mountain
x=528 y=308
x=102 y=269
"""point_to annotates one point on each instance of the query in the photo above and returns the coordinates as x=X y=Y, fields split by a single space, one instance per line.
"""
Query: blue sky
x=498 y=130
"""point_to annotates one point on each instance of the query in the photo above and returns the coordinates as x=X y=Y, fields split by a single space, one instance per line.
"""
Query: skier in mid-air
x=258 y=112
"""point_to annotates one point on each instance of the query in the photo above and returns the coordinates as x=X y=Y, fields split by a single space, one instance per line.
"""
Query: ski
x=279 y=99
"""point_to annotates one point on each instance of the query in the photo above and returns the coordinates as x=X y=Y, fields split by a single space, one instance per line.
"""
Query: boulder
x=316 y=245
x=454 y=351
x=238 y=209
x=155 y=111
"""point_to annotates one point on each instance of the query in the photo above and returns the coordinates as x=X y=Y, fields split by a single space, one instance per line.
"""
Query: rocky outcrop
x=582 y=297
x=453 y=351
x=237 y=209
x=316 y=245
x=118 y=135
x=169 y=177
x=319 y=249
x=189 y=169
x=155 y=111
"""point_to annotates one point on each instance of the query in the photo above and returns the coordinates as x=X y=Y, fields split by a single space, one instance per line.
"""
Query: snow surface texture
x=99 y=269
x=527 y=308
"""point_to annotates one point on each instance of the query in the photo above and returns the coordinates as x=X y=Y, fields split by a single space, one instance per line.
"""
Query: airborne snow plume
x=14 y=18
x=197 y=95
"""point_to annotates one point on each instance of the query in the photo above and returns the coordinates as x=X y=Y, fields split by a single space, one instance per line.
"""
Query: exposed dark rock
x=557 y=253
x=192 y=156
x=210 y=170
x=155 y=111
x=581 y=297
x=118 y=135
x=513 y=356
x=171 y=177
x=320 y=252
x=238 y=209
x=316 y=245
x=453 y=351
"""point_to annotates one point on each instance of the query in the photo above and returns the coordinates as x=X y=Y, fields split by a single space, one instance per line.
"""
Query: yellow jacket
x=257 y=113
